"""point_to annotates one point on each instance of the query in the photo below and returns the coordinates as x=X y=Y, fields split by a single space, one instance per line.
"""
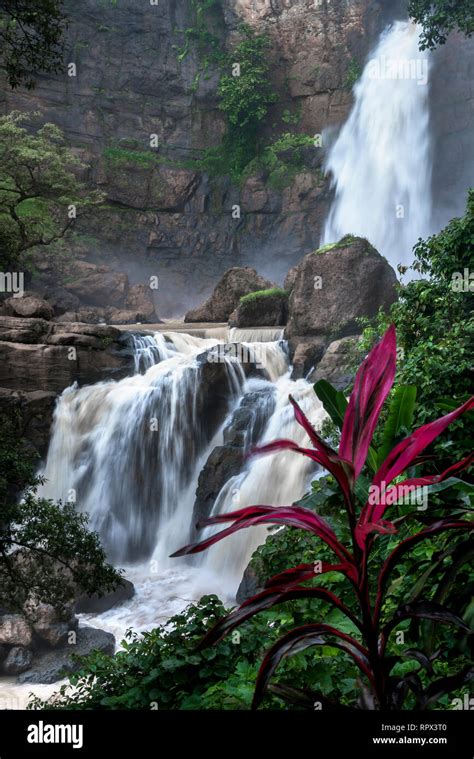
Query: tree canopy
x=41 y=196
x=440 y=17
x=30 y=39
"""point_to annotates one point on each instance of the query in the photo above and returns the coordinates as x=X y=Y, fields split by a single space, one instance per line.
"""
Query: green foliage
x=199 y=35
x=435 y=328
x=30 y=39
x=258 y=294
x=291 y=118
x=117 y=155
x=346 y=240
x=440 y=17
x=38 y=184
x=46 y=551
x=280 y=161
x=164 y=670
x=246 y=98
x=354 y=72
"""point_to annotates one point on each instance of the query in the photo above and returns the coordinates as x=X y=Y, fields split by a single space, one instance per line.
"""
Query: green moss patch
x=271 y=292
x=347 y=240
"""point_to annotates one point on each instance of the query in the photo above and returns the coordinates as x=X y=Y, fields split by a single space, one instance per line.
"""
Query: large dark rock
x=335 y=286
x=60 y=354
x=30 y=414
x=269 y=309
x=98 y=286
x=18 y=660
x=225 y=461
x=51 y=666
x=29 y=306
x=235 y=283
x=336 y=363
x=97 y=604
x=250 y=585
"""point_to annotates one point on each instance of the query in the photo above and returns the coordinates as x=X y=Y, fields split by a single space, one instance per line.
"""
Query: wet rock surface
x=235 y=283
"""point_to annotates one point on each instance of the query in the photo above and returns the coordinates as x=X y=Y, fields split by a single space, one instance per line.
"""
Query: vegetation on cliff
x=41 y=196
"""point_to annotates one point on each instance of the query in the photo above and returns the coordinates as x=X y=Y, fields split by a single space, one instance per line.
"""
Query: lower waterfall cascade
x=138 y=484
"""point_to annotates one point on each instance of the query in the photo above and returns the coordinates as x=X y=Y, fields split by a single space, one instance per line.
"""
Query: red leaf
x=372 y=384
x=402 y=489
x=405 y=545
x=266 y=600
x=322 y=454
x=292 y=516
x=305 y=572
x=298 y=640
x=403 y=455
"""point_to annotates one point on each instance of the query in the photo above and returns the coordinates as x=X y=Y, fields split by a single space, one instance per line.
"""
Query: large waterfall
x=129 y=453
x=381 y=160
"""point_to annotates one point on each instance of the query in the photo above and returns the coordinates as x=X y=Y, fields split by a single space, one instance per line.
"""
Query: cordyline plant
x=372 y=385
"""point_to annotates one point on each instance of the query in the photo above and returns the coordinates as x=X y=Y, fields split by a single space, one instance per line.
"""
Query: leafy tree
x=46 y=551
x=440 y=17
x=39 y=187
x=31 y=39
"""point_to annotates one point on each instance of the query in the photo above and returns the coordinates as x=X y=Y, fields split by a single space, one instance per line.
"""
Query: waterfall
x=148 y=350
x=126 y=451
x=129 y=453
x=381 y=160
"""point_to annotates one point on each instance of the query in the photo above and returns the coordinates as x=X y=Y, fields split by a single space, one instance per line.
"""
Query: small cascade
x=148 y=350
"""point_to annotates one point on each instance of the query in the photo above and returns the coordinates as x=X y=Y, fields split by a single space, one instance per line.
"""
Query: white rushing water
x=381 y=160
x=138 y=482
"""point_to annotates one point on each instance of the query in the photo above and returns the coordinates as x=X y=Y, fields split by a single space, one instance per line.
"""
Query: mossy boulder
x=335 y=286
x=264 y=308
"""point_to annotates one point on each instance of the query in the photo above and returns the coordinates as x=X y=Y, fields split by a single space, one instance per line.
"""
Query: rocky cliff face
x=167 y=220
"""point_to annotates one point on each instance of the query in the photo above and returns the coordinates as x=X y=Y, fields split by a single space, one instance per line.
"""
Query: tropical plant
x=374 y=621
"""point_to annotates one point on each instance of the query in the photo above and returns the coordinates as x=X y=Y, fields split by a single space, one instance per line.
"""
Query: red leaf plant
x=372 y=385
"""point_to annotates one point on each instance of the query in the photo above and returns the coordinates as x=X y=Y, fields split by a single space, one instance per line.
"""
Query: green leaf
x=400 y=418
x=334 y=401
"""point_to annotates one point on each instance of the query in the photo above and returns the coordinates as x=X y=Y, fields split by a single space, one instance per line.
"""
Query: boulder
x=267 y=308
x=15 y=630
x=97 y=604
x=61 y=300
x=140 y=299
x=335 y=286
x=50 y=627
x=84 y=315
x=98 y=285
x=235 y=283
x=225 y=461
x=306 y=352
x=18 y=660
x=30 y=306
x=51 y=666
x=335 y=363
x=250 y=585
x=60 y=353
